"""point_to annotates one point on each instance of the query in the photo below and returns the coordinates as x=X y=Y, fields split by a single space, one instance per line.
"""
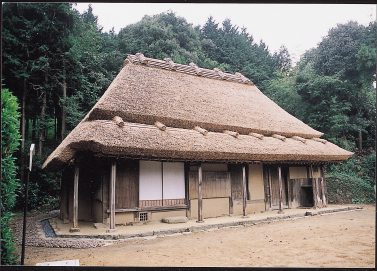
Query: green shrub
x=353 y=180
x=9 y=184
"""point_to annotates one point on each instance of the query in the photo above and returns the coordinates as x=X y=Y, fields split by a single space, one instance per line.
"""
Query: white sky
x=298 y=27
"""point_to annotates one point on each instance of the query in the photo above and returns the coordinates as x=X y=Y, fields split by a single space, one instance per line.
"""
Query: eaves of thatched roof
x=210 y=116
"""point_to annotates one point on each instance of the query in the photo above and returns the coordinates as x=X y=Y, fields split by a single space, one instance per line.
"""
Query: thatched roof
x=201 y=114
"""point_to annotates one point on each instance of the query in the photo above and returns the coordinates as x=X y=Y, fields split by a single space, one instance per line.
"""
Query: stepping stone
x=175 y=219
x=99 y=225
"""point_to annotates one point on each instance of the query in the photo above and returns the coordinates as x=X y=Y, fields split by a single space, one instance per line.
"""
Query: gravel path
x=36 y=236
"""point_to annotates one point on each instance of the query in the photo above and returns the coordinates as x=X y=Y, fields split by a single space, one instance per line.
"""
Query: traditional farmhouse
x=168 y=139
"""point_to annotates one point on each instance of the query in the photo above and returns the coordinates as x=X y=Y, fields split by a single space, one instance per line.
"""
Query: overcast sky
x=298 y=27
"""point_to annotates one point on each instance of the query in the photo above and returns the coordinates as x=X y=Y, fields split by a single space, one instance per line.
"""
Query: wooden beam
x=112 y=195
x=244 y=192
x=280 y=191
x=75 y=227
x=200 y=194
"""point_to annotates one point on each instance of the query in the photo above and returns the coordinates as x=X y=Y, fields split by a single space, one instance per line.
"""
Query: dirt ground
x=344 y=239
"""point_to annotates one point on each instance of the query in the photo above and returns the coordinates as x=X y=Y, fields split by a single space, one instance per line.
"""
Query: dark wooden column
x=112 y=195
x=75 y=227
x=324 y=199
x=315 y=189
x=289 y=195
x=244 y=192
x=280 y=191
x=269 y=187
x=200 y=195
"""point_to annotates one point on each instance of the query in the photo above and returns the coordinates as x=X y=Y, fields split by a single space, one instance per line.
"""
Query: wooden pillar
x=244 y=192
x=315 y=190
x=112 y=195
x=75 y=227
x=269 y=187
x=324 y=199
x=289 y=192
x=280 y=192
x=187 y=189
x=200 y=195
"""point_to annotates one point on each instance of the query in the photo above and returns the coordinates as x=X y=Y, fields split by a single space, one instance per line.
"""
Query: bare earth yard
x=345 y=239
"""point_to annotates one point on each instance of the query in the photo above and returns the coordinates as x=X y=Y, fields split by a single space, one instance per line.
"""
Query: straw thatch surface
x=140 y=140
x=216 y=116
x=145 y=94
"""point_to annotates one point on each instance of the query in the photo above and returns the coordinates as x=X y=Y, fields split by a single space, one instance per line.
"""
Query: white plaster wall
x=150 y=180
x=173 y=180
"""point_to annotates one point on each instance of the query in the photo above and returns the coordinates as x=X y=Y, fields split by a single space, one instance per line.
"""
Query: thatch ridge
x=192 y=68
x=140 y=140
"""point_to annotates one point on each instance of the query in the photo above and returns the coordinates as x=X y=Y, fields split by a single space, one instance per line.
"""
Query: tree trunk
x=42 y=120
x=23 y=117
x=360 y=141
x=63 y=104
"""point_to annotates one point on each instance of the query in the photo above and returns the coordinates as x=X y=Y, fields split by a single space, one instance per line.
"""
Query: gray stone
x=99 y=225
x=175 y=219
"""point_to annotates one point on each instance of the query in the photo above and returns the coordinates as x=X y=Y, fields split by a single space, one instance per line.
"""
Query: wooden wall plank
x=127 y=184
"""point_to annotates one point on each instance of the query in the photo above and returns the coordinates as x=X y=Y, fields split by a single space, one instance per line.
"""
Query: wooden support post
x=187 y=189
x=289 y=193
x=75 y=227
x=324 y=199
x=244 y=192
x=269 y=187
x=112 y=195
x=324 y=204
x=200 y=195
x=280 y=192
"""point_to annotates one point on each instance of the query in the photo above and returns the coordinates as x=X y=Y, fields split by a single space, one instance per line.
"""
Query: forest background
x=57 y=62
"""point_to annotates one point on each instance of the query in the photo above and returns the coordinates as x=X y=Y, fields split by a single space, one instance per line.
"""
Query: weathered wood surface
x=76 y=198
x=280 y=181
x=162 y=202
x=236 y=181
x=127 y=184
x=200 y=195
x=112 y=194
x=214 y=185
x=244 y=192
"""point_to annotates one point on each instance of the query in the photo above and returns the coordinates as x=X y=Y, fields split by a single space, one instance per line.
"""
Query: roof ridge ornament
x=160 y=126
x=141 y=58
x=324 y=141
x=243 y=78
x=282 y=138
x=201 y=130
x=259 y=136
x=171 y=63
x=191 y=68
x=299 y=138
x=231 y=133
x=195 y=68
x=219 y=72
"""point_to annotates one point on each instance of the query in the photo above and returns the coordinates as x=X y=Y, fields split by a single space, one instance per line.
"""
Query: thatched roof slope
x=140 y=140
x=184 y=96
x=216 y=116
